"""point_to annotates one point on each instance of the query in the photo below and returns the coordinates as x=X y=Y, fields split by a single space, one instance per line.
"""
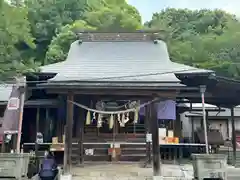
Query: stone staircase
x=100 y=152
x=133 y=152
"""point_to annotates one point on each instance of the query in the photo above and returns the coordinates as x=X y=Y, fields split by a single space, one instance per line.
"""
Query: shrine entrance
x=127 y=65
x=113 y=132
x=112 y=120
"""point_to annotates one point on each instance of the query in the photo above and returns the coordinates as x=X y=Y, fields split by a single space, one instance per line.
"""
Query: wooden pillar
x=177 y=125
x=81 y=137
x=46 y=124
x=155 y=141
x=147 y=124
x=78 y=123
x=193 y=128
x=37 y=130
x=68 y=134
x=59 y=128
x=233 y=136
x=228 y=134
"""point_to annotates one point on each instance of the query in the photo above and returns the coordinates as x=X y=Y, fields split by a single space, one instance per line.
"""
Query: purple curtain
x=165 y=110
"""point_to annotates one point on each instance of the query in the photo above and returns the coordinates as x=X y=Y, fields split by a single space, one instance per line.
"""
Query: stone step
x=132 y=157
x=99 y=151
x=134 y=145
x=91 y=146
x=91 y=158
x=126 y=151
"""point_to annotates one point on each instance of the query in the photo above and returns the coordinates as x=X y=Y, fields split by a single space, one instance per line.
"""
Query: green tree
x=60 y=44
x=48 y=16
x=15 y=40
x=112 y=17
x=204 y=38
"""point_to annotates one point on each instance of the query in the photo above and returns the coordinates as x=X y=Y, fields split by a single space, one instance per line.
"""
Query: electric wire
x=105 y=78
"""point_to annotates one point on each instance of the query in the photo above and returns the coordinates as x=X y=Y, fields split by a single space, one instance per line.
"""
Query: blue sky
x=147 y=7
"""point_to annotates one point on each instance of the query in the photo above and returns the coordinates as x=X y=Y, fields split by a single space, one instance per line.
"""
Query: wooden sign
x=148 y=137
x=89 y=152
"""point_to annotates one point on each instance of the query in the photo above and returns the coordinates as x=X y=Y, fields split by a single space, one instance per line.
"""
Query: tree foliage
x=15 y=41
x=206 y=39
x=41 y=31
x=108 y=18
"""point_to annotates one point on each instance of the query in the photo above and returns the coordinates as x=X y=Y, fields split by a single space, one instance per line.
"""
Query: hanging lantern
x=111 y=122
x=88 y=118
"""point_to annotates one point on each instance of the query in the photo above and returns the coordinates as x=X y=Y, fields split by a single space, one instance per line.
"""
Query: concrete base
x=157 y=178
x=146 y=165
x=65 y=177
x=80 y=165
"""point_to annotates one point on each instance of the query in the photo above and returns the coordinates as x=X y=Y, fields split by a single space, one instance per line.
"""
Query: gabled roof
x=119 y=61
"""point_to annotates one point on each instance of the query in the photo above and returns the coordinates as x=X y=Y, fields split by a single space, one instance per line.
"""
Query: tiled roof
x=134 y=61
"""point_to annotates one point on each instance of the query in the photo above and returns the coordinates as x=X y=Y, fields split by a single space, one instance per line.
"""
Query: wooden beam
x=37 y=130
x=171 y=94
x=117 y=92
x=68 y=133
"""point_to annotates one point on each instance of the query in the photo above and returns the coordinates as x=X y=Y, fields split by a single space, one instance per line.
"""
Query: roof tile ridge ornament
x=127 y=36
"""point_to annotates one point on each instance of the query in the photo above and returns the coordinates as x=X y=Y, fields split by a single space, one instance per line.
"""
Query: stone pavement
x=133 y=171
x=128 y=171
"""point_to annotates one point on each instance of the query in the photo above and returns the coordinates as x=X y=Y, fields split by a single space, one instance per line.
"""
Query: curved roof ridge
x=146 y=61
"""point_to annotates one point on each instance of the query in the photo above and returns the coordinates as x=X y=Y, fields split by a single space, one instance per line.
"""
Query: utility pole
x=202 y=91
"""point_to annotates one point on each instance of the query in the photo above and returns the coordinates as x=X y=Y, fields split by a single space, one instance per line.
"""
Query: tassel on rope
x=123 y=119
x=136 y=115
x=99 y=121
x=119 y=120
x=126 y=118
x=88 y=118
x=111 y=122
x=94 y=116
